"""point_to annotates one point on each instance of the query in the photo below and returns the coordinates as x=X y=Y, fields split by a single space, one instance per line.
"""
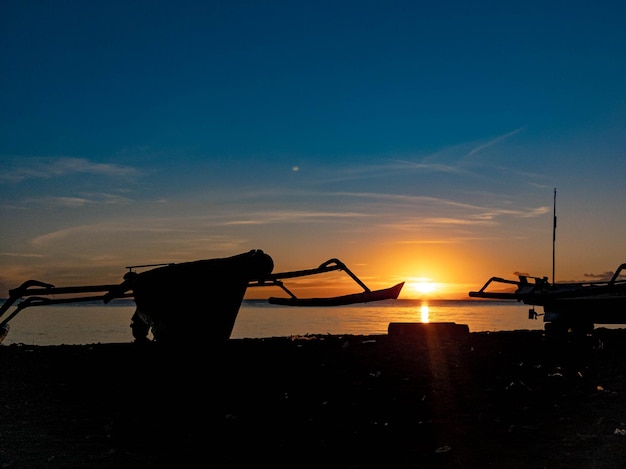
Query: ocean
x=88 y=323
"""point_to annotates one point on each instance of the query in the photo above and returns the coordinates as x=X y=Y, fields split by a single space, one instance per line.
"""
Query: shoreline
x=481 y=399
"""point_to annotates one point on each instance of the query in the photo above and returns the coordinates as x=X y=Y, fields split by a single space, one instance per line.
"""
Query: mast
x=553 y=236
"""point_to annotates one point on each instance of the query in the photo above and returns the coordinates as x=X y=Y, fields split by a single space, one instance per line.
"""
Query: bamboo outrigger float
x=190 y=301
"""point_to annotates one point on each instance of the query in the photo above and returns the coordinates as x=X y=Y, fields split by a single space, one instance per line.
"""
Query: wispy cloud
x=482 y=211
x=494 y=141
x=377 y=208
x=107 y=229
x=427 y=167
x=394 y=166
x=604 y=276
x=17 y=170
x=20 y=254
x=75 y=202
x=290 y=216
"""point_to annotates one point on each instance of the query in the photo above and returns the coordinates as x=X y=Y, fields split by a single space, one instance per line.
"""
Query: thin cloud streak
x=76 y=202
x=428 y=164
x=494 y=141
x=101 y=229
x=384 y=171
x=189 y=225
x=20 y=254
x=22 y=169
x=485 y=212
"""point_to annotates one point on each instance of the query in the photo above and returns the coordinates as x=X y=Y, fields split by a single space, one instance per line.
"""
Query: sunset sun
x=422 y=286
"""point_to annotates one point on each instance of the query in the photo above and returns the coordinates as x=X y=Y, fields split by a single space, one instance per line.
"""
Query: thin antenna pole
x=554 y=237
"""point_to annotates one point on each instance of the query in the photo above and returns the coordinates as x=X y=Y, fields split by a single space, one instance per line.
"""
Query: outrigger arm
x=36 y=292
x=229 y=276
x=330 y=265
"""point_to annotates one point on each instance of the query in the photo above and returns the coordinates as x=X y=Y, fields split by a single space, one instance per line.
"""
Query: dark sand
x=486 y=400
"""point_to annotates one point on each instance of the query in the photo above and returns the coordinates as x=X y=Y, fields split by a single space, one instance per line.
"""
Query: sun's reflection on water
x=424 y=312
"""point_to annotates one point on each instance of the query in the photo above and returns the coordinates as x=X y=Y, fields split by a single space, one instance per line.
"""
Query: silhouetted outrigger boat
x=574 y=306
x=365 y=296
x=189 y=302
x=567 y=306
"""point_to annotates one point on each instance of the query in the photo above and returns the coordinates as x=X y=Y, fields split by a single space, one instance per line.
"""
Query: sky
x=414 y=141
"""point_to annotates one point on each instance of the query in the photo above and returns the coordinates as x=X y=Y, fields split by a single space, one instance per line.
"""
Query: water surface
x=95 y=322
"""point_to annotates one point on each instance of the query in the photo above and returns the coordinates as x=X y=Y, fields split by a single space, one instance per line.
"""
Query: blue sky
x=409 y=139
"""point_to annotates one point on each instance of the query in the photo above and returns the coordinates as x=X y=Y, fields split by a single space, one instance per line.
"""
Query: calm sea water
x=94 y=322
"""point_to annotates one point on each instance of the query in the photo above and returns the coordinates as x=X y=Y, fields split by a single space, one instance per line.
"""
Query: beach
x=421 y=399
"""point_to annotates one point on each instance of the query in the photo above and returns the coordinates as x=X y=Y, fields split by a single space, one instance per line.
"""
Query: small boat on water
x=189 y=302
x=390 y=293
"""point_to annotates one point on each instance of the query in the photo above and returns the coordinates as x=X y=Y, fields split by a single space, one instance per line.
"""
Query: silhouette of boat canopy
x=189 y=301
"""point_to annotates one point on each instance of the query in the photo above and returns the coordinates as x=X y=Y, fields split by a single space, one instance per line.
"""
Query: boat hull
x=196 y=301
x=602 y=309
